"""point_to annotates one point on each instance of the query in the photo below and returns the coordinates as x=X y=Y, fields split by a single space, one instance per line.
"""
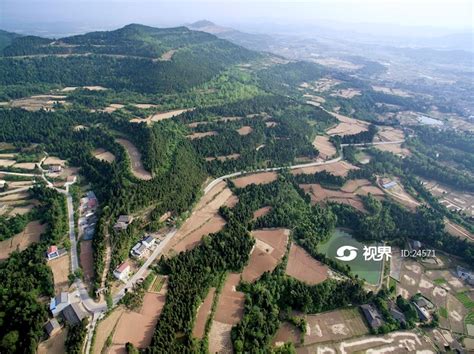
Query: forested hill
x=6 y=38
x=135 y=57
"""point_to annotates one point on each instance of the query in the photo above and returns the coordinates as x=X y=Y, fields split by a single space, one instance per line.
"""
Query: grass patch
x=439 y=281
x=443 y=312
x=465 y=300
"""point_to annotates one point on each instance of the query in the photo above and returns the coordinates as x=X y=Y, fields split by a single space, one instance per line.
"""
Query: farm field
x=105 y=328
x=270 y=246
x=245 y=130
x=113 y=107
x=396 y=149
x=160 y=116
x=304 y=267
x=202 y=314
x=37 y=102
x=286 y=333
x=103 y=155
x=205 y=218
x=21 y=241
x=319 y=194
x=441 y=287
x=228 y=313
x=137 y=327
x=261 y=212
x=452 y=199
x=200 y=135
x=60 y=268
x=395 y=342
x=389 y=134
x=136 y=160
x=334 y=326
x=347 y=125
x=256 y=178
x=55 y=344
x=325 y=147
x=340 y=168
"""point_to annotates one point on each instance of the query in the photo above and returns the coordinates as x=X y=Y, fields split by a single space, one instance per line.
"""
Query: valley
x=168 y=190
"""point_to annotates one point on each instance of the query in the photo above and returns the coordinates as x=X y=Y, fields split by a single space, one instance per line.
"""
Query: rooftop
x=124 y=266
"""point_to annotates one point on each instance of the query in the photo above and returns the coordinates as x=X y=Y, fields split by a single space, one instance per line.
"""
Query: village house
x=52 y=327
x=396 y=313
x=465 y=275
x=52 y=252
x=389 y=185
x=74 y=313
x=123 y=222
x=373 y=317
x=2 y=183
x=122 y=271
x=149 y=241
x=55 y=169
x=138 y=250
x=423 y=313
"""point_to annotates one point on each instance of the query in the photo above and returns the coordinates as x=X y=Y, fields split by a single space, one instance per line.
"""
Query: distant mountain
x=260 y=42
x=135 y=57
x=6 y=38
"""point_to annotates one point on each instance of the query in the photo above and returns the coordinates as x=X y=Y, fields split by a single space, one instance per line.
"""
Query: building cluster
x=63 y=309
x=423 y=306
x=142 y=246
x=88 y=220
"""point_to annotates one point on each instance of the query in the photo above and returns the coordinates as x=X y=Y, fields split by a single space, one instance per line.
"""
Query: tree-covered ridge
x=6 y=39
x=128 y=58
x=288 y=136
x=131 y=40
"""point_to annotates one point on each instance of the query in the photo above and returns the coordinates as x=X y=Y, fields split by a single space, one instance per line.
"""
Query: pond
x=368 y=270
x=429 y=120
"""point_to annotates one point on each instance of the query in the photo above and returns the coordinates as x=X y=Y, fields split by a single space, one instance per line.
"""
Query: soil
x=304 y=267
x=257 y=178
x=202 y=314
x=60 y=268
x=136 y=160
x=21 y=241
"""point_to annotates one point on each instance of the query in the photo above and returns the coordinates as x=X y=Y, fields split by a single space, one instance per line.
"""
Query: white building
x=122 y=272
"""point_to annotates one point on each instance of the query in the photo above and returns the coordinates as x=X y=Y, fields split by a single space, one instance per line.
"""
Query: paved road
x=72 y=234
x=214 y=182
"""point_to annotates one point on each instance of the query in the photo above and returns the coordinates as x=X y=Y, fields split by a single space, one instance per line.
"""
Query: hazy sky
x=451 y=14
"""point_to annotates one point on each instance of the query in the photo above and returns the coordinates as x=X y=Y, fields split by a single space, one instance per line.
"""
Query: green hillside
x=6 y=38
x=135 y=57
